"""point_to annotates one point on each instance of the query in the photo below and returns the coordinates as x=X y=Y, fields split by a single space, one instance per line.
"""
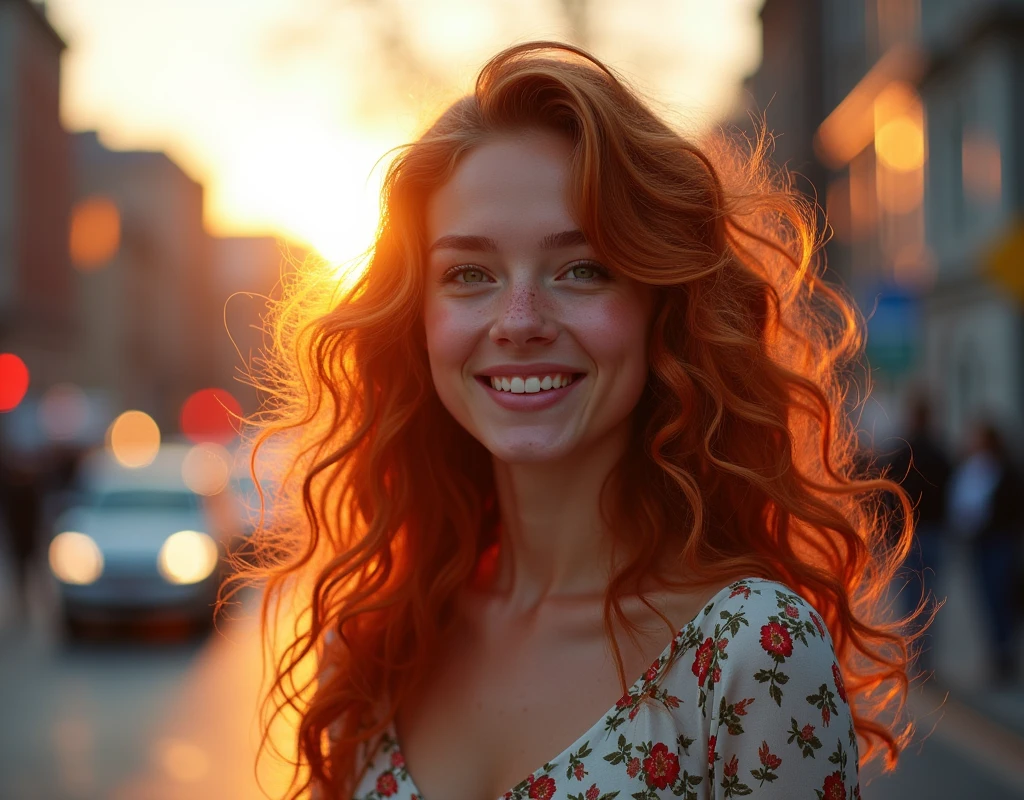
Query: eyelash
x=601 y=273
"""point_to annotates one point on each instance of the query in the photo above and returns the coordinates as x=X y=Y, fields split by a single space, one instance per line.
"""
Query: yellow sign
x=1006 y=261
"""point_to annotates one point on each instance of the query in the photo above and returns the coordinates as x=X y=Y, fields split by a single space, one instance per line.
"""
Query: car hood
x=127 y=532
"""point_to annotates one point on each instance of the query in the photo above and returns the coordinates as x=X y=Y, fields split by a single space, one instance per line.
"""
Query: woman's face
x=535 y=347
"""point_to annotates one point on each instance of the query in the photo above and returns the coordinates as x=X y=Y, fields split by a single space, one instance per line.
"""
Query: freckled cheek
x=451 y=334
x=613 y=330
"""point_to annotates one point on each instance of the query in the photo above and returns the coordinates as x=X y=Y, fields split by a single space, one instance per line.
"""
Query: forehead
x=510 y=187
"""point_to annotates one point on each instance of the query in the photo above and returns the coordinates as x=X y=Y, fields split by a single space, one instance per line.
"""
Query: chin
x=532 y=450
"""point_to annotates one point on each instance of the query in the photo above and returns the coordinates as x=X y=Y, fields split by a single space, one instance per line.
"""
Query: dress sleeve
x=780 y=723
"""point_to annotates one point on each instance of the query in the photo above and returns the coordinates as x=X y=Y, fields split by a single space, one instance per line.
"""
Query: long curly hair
x=743 y=456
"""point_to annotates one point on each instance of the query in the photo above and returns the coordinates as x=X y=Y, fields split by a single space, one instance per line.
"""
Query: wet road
x=169 y=720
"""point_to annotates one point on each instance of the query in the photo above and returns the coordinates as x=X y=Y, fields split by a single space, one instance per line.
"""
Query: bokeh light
x=13 y=381
x=63 y=412
x=95 y=233
x=75 y=558
x=210 y=415
x=900 y=144
x=134 y=439
x=187 y=557
x=206 y=468
x=181 y=760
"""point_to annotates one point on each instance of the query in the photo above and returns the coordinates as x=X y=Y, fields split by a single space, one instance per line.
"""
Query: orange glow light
x=900 y=144
x=13 y=381
x=210 y=415
x=134 y=439
x=95 y=233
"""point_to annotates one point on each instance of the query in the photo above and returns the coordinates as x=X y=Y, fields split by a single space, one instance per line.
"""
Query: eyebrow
x=482 y=244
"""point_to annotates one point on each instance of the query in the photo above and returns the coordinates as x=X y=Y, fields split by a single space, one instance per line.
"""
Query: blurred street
x=114 y=719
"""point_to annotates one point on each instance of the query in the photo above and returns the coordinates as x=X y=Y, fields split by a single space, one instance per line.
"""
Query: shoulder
x=763 y=631
x=771 y=691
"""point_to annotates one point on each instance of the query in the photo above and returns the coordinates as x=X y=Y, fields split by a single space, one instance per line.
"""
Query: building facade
x=916 y=120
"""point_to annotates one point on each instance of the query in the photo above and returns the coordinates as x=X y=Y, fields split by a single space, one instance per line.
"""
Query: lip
x=528 y=402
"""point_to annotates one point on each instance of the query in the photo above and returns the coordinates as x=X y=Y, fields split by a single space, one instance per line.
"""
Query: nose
x=524 y=317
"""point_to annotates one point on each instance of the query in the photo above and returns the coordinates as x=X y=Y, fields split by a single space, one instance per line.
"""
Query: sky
x=283 y=109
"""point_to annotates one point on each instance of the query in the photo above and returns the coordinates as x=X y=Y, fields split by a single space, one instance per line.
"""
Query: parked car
x=136 y=544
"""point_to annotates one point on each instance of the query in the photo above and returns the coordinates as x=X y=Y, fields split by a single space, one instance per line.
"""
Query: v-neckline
x=666 y=658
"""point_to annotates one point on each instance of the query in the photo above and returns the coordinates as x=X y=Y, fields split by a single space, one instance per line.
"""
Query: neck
x=553 y=541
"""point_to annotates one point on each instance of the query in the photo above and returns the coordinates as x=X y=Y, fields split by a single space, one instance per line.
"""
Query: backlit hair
x=743 y=455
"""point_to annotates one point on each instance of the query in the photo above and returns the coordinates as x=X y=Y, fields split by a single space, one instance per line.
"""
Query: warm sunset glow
x=206 y=469
x=134 y=439
x=95 y=233
x=13 y=381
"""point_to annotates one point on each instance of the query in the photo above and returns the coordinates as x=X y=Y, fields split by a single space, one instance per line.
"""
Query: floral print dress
x=747 y=699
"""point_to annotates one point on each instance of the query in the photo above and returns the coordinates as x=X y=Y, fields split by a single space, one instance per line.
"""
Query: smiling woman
x=580 y=420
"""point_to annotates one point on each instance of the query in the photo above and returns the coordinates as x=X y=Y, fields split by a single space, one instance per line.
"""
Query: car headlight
x=75 y=558
x=187 y=557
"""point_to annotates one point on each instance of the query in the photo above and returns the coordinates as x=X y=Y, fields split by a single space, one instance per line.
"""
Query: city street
x=163 y=720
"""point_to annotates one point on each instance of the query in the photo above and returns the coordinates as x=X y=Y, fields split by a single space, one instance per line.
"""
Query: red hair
x=743 y=455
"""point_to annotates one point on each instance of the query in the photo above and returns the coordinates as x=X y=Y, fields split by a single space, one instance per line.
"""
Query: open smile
x=530 y=392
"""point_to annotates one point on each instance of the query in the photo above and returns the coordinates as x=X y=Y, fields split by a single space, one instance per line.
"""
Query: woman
x=574 y=473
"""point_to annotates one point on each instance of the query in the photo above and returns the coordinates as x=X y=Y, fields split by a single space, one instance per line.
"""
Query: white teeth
x=530 y=384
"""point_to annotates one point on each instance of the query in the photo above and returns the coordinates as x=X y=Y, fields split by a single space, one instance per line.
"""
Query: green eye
x=472 y=276
x=584 y=272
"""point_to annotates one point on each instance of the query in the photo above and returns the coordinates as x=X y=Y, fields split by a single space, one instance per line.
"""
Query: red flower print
x=671 y=701
x=633 y=767
x=806 y=732
x=593 y=792
x=817 y=624
x=578 y=772
x=741 y=707
x=542 y=788
x=768 y=758
x=397 y=759
x=652 y=671
x=661 y=766
x=722 y=644
x=826 y=716
x=731 y=767
x=711 y=750
x=386 y=785
x=837 y=676
x=623 y=701
x=834 y=789
x=702 y=660
x=634 y=711
x=776 y=640
x=791 y=612
x=741 y=590
x=716 y=676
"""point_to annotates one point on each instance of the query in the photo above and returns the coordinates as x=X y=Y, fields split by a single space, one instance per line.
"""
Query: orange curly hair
x=743 y=456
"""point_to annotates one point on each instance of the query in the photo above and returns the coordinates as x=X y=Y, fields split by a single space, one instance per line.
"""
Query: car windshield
x=146 y=500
